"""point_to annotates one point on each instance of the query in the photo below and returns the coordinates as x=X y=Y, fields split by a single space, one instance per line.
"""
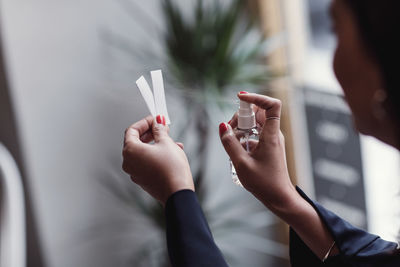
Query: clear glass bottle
x=246 y=132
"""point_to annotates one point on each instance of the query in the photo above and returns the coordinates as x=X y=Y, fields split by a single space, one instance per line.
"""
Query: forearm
x=189 y=239
x=306 y=222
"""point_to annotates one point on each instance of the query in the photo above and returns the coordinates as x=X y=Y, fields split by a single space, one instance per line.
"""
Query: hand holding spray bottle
x=246 y=132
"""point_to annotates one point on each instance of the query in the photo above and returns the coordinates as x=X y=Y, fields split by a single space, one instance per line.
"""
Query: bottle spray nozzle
x=245 y=108
x=246 y=116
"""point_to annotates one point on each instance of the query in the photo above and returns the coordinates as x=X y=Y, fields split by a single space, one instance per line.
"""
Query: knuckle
x=275 y=141
x=125 y=167
x=278 y=102
x=160 y=131
x=164 y=139
x=281 y=137
x=227 y=140
x=125 y=152
x=241 y=164
x=131 y=152
x=229 y=144
x=271 y=141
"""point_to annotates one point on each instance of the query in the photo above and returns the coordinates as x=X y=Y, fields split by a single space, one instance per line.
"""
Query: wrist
x=288 y=204
x=295 y=211
x=169 y=196
x=176 y=186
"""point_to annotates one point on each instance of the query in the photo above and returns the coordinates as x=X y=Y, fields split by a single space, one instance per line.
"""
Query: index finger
x=272 y=106
x=138 y=129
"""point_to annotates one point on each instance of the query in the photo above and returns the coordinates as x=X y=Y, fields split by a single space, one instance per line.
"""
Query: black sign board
x=335 y=156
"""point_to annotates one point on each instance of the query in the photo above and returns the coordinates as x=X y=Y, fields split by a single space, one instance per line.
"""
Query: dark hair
x=379 y=22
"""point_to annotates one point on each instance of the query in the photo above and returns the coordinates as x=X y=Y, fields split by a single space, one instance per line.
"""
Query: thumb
x=232 y=146
x=159 y=129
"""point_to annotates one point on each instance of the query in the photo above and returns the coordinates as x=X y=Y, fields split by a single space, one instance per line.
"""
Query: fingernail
x=159 y=119
x=222 y=128
x=243 y=93
x=163 y=120
x=229 y=122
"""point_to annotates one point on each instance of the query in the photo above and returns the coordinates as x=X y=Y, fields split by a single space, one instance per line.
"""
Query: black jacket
x=190 y=242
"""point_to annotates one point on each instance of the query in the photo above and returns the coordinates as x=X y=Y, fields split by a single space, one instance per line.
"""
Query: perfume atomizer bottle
x=246 y=132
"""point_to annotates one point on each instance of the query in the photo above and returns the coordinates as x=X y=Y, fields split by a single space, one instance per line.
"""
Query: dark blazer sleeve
x=189 y=239
x=357 y=247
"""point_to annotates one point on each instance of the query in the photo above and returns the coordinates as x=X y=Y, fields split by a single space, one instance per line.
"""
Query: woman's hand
x=161 y=168
x=263 y=171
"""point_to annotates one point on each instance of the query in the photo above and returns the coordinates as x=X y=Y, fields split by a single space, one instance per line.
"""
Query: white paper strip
x=145 y=90
x=159 y=94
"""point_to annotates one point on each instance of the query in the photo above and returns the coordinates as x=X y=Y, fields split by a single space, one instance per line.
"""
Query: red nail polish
x=163 y=121
x=229 y=122
x=222 y=128
x=243 y=93
x=159 y=119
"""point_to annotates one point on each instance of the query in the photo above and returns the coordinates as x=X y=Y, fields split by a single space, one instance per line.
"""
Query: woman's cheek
x=343 y=75
x=338 y=66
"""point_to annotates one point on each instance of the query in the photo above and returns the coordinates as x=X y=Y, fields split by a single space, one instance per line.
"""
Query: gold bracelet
x=329 y=251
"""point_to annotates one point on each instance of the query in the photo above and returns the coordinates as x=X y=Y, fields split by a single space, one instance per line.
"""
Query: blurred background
x=67 y=93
